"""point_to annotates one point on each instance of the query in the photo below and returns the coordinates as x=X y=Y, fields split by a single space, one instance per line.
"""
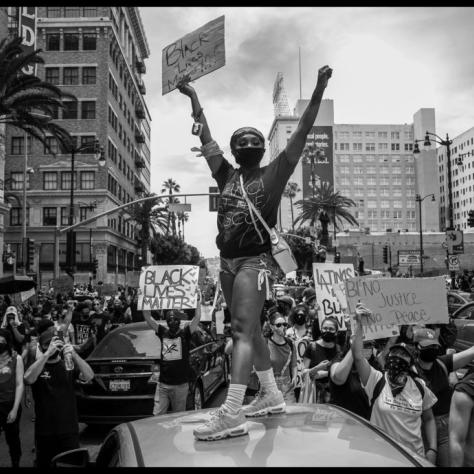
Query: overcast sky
x=387 y=63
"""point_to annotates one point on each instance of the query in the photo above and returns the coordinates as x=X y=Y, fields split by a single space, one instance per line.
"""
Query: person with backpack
x=435 y=368
x=401 y=402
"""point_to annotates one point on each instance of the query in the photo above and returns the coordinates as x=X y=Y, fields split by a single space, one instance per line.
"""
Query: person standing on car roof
x=173 y=388
x=435 y=368
x=401 y=402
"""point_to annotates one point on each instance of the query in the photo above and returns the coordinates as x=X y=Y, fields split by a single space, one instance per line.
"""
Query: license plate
x=119 y=385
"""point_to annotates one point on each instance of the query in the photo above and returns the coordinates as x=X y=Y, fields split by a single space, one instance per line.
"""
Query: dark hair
x=332 y=320
x=8 y=338
x=273 y=313
x=43 y=325
x=47 y=307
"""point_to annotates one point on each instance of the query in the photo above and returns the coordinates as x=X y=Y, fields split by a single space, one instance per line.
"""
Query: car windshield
x=128 y=342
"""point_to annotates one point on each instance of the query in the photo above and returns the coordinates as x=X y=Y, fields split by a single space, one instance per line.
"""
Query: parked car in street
x=311 y=435
x=463 y=318
x=126 y=365
x=457 y=299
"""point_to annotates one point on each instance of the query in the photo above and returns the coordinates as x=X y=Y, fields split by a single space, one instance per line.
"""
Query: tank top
x=8 y=380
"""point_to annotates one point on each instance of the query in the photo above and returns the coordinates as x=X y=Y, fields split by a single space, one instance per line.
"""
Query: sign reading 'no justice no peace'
x=196 y=54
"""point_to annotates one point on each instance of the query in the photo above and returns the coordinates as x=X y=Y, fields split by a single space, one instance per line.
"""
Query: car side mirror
x=73 y=458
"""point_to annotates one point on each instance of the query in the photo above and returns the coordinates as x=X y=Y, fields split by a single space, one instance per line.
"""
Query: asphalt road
x=91 y=437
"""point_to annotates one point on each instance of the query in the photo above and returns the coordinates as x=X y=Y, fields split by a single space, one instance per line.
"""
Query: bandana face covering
x=397 y=371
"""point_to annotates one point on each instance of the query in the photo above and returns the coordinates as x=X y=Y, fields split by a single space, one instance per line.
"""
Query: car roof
x=306 y=435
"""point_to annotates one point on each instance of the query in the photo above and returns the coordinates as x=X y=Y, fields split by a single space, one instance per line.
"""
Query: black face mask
x=300 y=319
x=327 y=336
x=173 y=327
x=3 y=347
x=249 y=157
x=397 y=371
x=429 y=354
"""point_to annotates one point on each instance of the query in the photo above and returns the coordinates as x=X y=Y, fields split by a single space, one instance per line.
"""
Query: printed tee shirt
x=300 y=343
x=83 y=330
x=279 y=355
x=55 y=400
x=237 y=236
x=400 y=416
x=438 y=383
x=174 y=356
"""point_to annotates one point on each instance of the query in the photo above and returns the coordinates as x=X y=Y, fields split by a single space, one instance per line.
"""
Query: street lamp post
x=419 y=199
x=447 y=143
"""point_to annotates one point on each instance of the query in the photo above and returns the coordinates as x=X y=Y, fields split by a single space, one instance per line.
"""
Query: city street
x=91 y=436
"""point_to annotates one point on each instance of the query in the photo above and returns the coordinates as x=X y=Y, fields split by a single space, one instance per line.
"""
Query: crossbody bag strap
x=253 y=210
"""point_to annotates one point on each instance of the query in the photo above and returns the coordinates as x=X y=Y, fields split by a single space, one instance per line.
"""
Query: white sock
x=235 y=397
x=267 y=380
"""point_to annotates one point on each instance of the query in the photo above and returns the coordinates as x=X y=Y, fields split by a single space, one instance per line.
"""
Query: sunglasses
x=279 y=325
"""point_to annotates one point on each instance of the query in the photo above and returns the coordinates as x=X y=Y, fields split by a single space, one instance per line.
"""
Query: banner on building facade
x=27 y=31
x=168 y=287
x=318 y=165
x=195 y=55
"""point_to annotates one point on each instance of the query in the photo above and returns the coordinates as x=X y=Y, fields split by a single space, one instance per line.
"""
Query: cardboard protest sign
x=400 y=300
x=168 y=287
x=326 y=275
x=195 y=55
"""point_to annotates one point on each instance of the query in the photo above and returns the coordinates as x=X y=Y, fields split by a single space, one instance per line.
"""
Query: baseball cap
x=309 y=294
x=286 y=299
x=425 y=337
x=403 y=346
x=11 y=310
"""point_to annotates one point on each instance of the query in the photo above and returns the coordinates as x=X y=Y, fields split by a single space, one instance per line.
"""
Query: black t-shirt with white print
x=237 y=236
x=175 y=369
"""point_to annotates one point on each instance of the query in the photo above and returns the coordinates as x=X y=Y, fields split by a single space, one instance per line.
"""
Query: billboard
x=27 y=31
x=320 y=139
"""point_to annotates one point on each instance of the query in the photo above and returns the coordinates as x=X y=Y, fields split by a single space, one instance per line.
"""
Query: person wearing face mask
x=11 y=392
x=300 y=334
x=173 y=387
x=318 y=356
x=56 y=421
x=435 y=368
x=400 y=400
x=12 y=323
x=247 y=265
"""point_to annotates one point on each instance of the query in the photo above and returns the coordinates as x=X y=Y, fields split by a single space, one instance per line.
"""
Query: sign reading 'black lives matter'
x=195 y=55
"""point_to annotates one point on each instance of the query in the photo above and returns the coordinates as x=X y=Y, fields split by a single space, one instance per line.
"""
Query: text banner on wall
x=400 y=300
x=27 y=31
x=321 y=137
x=325 y=276
x=196 y=54
x=168 y=287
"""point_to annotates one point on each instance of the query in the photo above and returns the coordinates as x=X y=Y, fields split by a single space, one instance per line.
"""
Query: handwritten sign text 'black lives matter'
x=168 y=287
x=196 y=54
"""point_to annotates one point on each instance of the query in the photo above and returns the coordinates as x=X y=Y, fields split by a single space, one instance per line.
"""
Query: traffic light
x=385 y=254
x=95 y=265
x=337 y=257
x=30 y=253
x=470 y=219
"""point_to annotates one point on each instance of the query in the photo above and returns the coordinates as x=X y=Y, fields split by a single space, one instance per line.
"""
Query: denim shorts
x=264 y=261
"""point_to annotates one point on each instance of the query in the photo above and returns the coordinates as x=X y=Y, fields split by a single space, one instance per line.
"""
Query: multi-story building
x=373 y=165
x=97 y=54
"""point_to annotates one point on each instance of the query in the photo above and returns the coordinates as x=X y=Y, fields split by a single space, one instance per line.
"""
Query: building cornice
x=136 y=20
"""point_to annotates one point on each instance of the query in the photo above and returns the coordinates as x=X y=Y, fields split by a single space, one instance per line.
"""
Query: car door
x=464 y=321
x=454 y=302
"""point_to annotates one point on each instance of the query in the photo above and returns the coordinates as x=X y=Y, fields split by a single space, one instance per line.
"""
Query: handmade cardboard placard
x=168 y=287
x=196 y=54
x=326 y=275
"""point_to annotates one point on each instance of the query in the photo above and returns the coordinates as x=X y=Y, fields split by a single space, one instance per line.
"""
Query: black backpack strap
x=419 y=386
x=377 y=390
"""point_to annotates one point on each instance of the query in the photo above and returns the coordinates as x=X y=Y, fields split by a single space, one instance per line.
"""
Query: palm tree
x=26 y=99
x=290 y=192
x=150 y=220
x=182 y=218
x=169 y=186
x=326 y=206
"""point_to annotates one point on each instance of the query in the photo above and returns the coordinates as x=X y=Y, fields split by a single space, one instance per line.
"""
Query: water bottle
x=68 y=362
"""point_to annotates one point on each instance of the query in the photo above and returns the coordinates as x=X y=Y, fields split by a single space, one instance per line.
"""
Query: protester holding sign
x=245 y=249
x=401 y=402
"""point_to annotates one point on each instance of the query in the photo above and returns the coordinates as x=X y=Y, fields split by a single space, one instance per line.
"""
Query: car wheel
x=198 y=397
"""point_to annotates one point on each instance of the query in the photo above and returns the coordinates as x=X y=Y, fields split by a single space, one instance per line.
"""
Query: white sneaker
x=265 y=402
x=222 y=425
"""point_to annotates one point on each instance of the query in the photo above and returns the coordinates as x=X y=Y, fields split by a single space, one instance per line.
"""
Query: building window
x=395 y=146
x=357 y=146
x=16 y=180
x=16 y=216
x=111 y=258
x=70 y=109
x=52 y=42
x=64 y=215
x=370 y=147
x=72 y=12
x=395 y=135
x=89 y=41
x=50 y=216
x=90 y=11
x=357 y=134
x=397 y=204
x=71 y=76
x=87 y=144
x=344 y=146
x=50 y=180
x=383 y=146
x=83 y=213
x=385 y=204
x=88 y=75
x=52 y=75
x=396 y=170
x=88 y=109
x=370 y=134
x=71 y=41
x=66 y=180
x=408 y=146
x=87 y=180
x=53 y=12
x=382 y=134
x=17 y=145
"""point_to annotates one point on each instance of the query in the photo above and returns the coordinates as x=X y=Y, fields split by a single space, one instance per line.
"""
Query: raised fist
x=324 y=74
x=184 y=87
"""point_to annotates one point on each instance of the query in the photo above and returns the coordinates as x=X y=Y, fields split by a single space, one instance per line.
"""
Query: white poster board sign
x=168 y=287
x=196 y=54
x=326 y=275
x=400 y=300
